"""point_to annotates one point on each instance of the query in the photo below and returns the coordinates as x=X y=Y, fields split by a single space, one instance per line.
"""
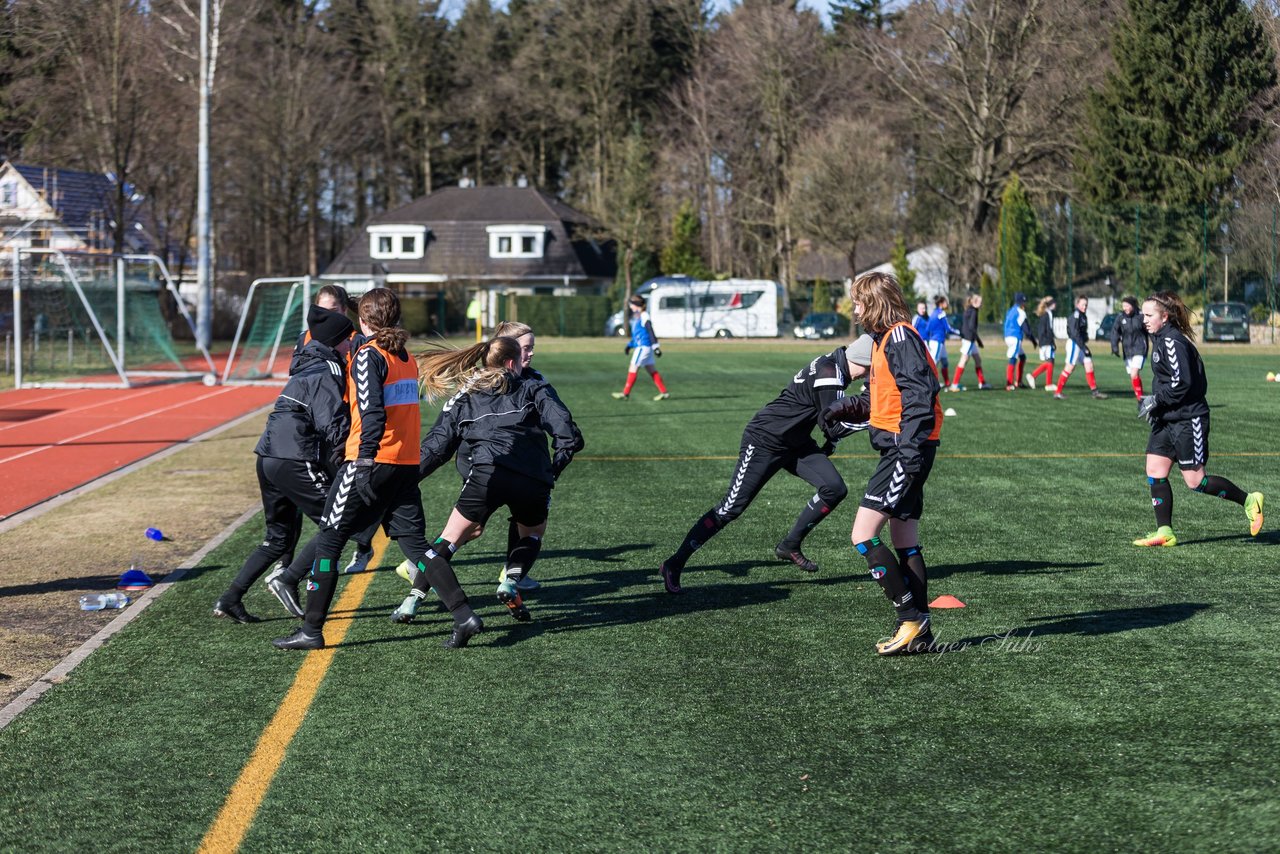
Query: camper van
x=683 y=307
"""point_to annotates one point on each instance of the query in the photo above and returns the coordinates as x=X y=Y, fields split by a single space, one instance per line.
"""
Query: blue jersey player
x=642 y=348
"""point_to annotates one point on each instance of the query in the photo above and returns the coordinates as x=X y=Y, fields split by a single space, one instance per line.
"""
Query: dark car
x=1105 y=327
x=1226 y=321
x=824 y=324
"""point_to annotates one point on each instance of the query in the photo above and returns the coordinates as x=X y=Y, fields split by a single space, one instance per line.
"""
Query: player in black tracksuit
x=780 y=438
x=970 y=343
x=504 y=419
x=298 y=452
x=1130 y=333
x=1078 y=350
x=1179 y=418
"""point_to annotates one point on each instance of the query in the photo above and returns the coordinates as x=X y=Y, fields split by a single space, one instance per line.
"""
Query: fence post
x=560 y=301
x=71 y=337
x=1137 y=248
x=17 y=317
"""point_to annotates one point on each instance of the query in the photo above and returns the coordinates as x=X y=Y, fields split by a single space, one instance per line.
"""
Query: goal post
x=272 y=318
x=107 y=310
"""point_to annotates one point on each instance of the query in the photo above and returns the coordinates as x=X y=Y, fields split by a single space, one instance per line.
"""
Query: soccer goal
x=273 y=316
x=89 y=320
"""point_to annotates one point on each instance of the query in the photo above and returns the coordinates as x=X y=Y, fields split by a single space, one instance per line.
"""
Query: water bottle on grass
x=98 y=601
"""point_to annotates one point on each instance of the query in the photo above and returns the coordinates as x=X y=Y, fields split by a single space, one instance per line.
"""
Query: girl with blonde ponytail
x=504 y=417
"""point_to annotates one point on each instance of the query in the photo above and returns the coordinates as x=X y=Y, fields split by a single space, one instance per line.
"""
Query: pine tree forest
x=1139 y=139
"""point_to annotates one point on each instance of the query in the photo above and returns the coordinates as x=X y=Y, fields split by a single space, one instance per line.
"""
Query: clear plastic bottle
x=98 y=601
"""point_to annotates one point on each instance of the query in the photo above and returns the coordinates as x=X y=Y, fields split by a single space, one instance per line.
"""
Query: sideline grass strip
x=246 y=795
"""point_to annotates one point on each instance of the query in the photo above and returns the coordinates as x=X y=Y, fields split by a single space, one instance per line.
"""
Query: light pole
x=204 y=267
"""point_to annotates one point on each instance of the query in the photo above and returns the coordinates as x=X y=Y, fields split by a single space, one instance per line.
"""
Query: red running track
x=55 y=440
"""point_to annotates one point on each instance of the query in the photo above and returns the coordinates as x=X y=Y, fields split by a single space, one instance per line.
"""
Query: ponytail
x=380 y=310
x=1179 y=316
x=481 y=366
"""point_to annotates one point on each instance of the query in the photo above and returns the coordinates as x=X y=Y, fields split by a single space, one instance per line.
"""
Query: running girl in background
x=970 y=344
x=297 y=455
x=1179 y=418
x=642 y=347
x=901 y=401
x=1044 y=334
x=938 y=330
x=379 y=481
x=1015 y=328
x=780 y=438
x=1129 y=336
x=505 y=420
x=1078 y=350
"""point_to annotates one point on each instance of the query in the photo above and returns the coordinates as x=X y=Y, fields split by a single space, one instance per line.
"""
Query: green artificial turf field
x=1095 y=696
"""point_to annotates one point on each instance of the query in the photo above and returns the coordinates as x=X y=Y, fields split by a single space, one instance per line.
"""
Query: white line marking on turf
x=59 y=672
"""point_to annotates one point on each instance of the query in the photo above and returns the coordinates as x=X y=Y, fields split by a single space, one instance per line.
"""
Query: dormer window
x=396 y=242
x=517 y=241
x=8 y=194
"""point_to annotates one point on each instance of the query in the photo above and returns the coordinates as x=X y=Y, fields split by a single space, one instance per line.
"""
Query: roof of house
x=75 y=196
x=458 y=244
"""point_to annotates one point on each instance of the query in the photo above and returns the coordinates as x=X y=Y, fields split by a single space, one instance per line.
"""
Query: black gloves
x=560 y=462
x=359 y=474
x=851 y=409
x=657 y=351
x=627 y=349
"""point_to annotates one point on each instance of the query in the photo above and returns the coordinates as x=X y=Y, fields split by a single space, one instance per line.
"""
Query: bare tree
x=987 y=88
x=845 y=185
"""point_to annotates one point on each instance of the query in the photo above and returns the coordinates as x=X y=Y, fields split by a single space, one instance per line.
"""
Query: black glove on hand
x=1087 y=354
x=851 y=409
x=559 y=463
x=337 y=456
x=627 y=349
x=657 y=351
x=1147 y=408
x=360 y=473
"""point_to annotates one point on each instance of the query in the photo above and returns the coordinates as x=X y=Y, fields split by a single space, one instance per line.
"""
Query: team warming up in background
x=343 y=445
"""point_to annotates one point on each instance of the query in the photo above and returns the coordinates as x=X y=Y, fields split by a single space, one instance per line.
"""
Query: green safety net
x=276 y=317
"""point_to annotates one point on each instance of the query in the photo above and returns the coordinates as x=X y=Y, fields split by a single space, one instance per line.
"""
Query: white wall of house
x=930 y=265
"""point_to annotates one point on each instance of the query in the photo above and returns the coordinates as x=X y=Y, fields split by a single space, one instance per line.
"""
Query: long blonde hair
x=481 y=366
x=1176 y=311
x=379 y=309
x=1044 y=305
x=881 y=298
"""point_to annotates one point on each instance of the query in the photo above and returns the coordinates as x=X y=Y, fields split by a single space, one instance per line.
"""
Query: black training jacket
x=1078 y=328
x=310 y=420
x=969 y=325
x=1180 y=384
x=503 y=429
x=544 y=388
x=1044 y=330
x=1129 y=333
x=787 y=421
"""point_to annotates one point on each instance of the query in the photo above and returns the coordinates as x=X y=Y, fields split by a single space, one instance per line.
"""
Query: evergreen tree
x=1173 y=122
x=1167 y=133
x=992 y=310
x=1020 y=254
x=902 y=269
x=860 y=15
x=683 y=254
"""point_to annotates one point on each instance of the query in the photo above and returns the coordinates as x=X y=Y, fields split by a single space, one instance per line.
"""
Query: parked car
x=1226 y=321
x=824 y=324
x=1104 y=328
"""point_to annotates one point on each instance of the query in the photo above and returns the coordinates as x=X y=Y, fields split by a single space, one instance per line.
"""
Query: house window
x=396 y=242
x=516 y=241
x=8 y=195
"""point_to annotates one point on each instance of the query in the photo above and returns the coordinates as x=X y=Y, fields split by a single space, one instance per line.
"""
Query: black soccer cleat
x=670 y=578
x=795 y=556
x=285 y=592
x=299 y=640
x=463 y=632
x=234 y=611
x=359 y=560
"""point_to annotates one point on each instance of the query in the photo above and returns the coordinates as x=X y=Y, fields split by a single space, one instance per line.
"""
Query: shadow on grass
x=1270 y=538
x=1007 y=567
x=1095 y=623
x=93 y=583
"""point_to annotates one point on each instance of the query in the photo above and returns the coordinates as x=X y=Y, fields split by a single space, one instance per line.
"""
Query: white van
x=682 y=307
